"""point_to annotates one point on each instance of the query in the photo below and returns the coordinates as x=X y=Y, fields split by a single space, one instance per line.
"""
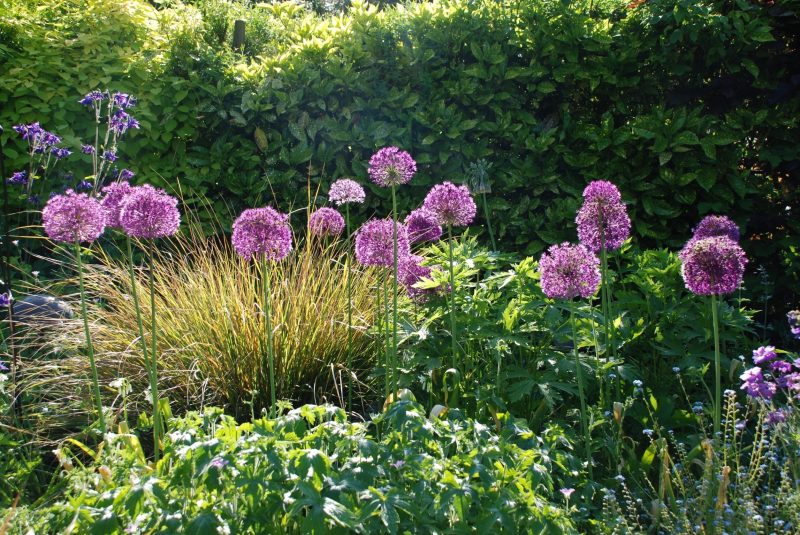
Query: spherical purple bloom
x=712 y=265
x=452 y=205
x=410 y=271
x=92 y=97
x=345 y=191
x=569 y=271
x=375 y=243
x=716 y=225
x=110 y=155
x=113 y=195
x=262 y=233
x=126 y=174
x=423 y=226
x=149 y=213
x=763 y=355
x=603 y=220
x=20 y=178
x=73 y=218
x=754 y=384
x=87 y=149
x=602 y=190
x=326 y=222
x=124 y=100
x=391 y=166
x=121 y=122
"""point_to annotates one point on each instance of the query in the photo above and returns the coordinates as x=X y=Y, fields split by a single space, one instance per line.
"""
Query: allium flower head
x=149 y=213
x=716 y=225
x=422 y=226
x=73 y=218
x=763 y=355
x=712 y=265
x=411 y=271
x=391 y=166
x=603 y=219
x=452 y=205
x=374 y=243
x=569 y=271
x=262 y=234
x=113 y=195
x=326 y=222
x=345 y=191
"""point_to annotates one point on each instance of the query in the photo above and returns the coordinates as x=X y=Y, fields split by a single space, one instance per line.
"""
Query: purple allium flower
x=452 y=205
x=345 y=191
x=87 y=149
x=603 y=190
x=149 y=213
x=73 y=218
x=569 y=271
x=60 y=153
x=84 y=185
x=19 y=178
x=754 y=384
x=764 y=354
x=423 y=226
x=374 y=243
x=391 y=166
x=121 y=122
x=716 y=225
x=126 y=174
x=113 y=195
x=92 y=97
x=602 y=220
x=794 y=322
x=5 y=299
x=712 y=265
x=326 y=222
x=124 y=101
x=262 y=233
x=110 y=155
x=409 y=272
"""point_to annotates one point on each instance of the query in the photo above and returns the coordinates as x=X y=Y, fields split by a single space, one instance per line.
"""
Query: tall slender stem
x=349 y=316
x=581 y=395
x=488 y=220
x=717 y=366
x=607 y=314
x=135 y=293
x=270 y=355
x=89 y=346
x=387 y=338
x=154 y=357
x=452 y=305
x=394 y=293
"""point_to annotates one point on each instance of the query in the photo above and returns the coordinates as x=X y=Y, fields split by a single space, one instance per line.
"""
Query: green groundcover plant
x=313 y=471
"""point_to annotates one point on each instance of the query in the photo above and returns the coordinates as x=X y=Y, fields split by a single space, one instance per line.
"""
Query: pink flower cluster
x=262 y=233
x=603 y=221
x=568 y=271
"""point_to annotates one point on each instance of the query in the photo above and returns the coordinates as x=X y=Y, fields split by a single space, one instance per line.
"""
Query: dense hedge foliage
x=690 y=107
x=312 y=471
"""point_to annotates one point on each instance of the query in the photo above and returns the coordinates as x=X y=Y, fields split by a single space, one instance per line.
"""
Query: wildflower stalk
x=349 y=316
x=581 y=395
x=452 y=303
x=605 y=297
x=717 y=365
x=135 y=293
x=387 y=338
x=89 y=346
x=488 y=220
x=394 y=292
x=154 y=359
x=268 y=323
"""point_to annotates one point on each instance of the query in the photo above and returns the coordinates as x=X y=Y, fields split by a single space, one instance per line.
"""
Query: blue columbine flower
x=60 y=153
x=19 y=178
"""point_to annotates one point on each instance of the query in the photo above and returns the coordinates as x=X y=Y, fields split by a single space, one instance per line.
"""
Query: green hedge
x=691 y=107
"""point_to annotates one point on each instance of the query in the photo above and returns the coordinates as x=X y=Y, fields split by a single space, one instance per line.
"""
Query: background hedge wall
x=691 y=107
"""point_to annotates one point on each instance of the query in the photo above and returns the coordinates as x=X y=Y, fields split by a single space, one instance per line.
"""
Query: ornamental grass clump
x=76 y=218
x=264 y=235
x=567 y=272
x=713 y=266
x=345 y=192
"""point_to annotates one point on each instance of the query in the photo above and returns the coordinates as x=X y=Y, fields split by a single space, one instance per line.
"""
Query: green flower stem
x=452 y=306
x=717 y=366
x=89 y=346
x=270 y=352
x=394 y=294
x=581 y=395
x=606 y=301
x=387 y=339
x=349 y=315
x=488 y=220
x=154 y=358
